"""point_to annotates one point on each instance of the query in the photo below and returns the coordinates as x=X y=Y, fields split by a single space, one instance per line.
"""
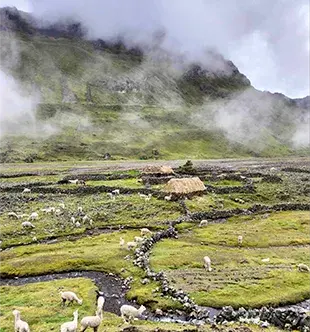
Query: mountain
x=86 y=99
x=303 y=102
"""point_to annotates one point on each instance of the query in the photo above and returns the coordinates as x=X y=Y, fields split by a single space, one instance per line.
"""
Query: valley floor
x=76 y=244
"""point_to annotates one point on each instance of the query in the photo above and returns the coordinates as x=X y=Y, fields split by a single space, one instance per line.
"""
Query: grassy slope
x=89 y=130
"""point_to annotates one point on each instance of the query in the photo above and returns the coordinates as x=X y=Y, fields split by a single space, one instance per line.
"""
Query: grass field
x=239 y=276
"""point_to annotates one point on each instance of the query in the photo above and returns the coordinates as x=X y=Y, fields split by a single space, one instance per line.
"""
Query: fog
x=267 y=40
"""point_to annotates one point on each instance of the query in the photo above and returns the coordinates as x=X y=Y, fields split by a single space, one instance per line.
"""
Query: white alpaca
x=148 y=197
x=26 y=190
x=207 y=263
x=203 y=223
x=111 y=196
x=13 y=215
x=48 y=210
x=145 y=231
x=131 y=245
x=139 y=239
x=20 y=325
x=121 y=242
x=71 y=326
x=100 y=300
x=58 y=212
x=303 y=268
x=85 y=218
x=27 y=224
x=168 y=198
x=70 y=297
x=116 y=192
x=74 y=181
x=130 y=312
x=92 y=321
x=33 y=216
x=240 y=240
x=265 y=260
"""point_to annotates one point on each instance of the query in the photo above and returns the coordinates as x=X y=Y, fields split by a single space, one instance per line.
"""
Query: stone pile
x=142 y=260
x=286 y=318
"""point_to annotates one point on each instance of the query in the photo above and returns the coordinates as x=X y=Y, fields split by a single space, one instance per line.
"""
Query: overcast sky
x=268 y=40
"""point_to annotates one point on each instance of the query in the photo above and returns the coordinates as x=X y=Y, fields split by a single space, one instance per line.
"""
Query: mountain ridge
x=106 y=96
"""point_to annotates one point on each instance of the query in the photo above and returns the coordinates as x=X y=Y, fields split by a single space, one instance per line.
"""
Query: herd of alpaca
x=128 y=313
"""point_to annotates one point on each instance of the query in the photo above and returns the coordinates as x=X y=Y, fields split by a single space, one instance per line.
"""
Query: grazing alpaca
x=207 y=263
x=71 y=326
x=20 y=325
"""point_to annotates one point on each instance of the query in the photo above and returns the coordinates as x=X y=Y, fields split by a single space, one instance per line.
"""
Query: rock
x=264 y=325
x=145 y=281
x=130 y=329
x=159 y=312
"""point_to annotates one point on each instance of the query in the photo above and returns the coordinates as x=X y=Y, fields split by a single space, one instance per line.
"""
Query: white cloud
x=24 y=5
x=267 y=40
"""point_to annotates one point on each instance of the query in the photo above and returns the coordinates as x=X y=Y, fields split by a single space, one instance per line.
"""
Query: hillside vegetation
x=88 y=98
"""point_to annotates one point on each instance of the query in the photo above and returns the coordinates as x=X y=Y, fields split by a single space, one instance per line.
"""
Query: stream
x=115 y=289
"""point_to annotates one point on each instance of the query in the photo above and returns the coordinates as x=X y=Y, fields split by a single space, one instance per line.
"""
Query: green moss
x=126 y=183
x=227 y=183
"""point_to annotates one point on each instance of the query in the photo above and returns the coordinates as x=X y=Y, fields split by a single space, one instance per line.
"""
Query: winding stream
x=115 y=291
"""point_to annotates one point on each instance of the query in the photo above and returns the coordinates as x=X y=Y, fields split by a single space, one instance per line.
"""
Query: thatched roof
x=184 y=186
x=157 y=170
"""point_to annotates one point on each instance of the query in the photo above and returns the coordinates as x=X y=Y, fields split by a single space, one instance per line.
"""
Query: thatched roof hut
x=184 y=186
x=158 y=170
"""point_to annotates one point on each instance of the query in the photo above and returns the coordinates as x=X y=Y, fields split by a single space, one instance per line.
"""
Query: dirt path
x=88 y=166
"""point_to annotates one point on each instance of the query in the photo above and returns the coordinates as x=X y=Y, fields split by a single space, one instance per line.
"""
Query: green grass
x=278 y=229
x=126 y=210
x=226 y=183
x=239 y=277
x=101 y=253
x=126 y=183
x=40 y=306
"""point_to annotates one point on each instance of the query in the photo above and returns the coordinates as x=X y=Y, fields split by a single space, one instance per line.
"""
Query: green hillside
x=91 y=100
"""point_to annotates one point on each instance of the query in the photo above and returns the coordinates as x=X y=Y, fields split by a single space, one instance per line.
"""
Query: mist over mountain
x=69 y=95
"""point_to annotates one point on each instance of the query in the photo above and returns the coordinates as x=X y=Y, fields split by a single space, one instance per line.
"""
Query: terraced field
x=267 y=202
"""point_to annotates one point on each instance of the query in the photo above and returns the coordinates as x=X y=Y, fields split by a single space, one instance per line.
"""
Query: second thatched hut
x=157 y=170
